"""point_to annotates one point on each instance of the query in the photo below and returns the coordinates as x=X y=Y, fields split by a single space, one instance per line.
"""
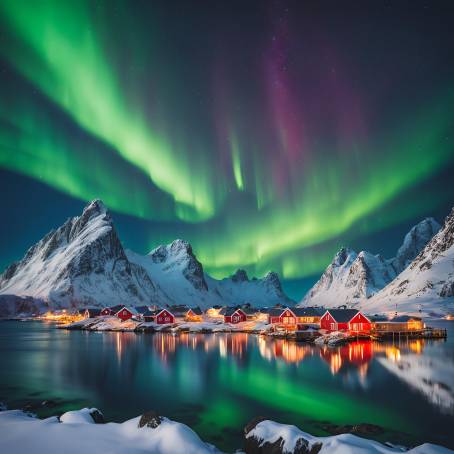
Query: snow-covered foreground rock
x=353 y=277
x=272 y=437
x=76 y=432
x=83 y=263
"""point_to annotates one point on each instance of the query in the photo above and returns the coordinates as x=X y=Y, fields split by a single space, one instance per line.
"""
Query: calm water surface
x=215 y=383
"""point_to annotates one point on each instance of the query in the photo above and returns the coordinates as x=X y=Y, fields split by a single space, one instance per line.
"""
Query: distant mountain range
x=420 y=278
x=83 y=263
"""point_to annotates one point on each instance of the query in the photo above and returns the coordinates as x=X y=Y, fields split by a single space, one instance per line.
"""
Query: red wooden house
x=234 y=315
x=159 y=316
x=282 y=316
x=345 y=320
x=125 y=313
x=106 y=311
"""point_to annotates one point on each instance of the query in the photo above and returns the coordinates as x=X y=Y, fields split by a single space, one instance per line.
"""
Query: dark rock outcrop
x=254 y=445
x=150 y=419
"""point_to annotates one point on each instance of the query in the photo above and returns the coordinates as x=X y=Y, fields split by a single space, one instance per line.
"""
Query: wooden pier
x=426 y=333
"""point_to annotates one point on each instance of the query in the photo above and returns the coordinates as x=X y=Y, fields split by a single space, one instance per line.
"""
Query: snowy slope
x=427 y=283
x=81 y=263
x=180 y=275
x=352 y=278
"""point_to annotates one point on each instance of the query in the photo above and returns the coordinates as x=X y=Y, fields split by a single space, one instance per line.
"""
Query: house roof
x=249 y=310
x=116 y=308
x=276 y=311
x=128 y=308
x=149 y=313
x=307 y=311
x=404 y=318
x=180 y=309
x=155 y=312
x=343 y=315
x=379 y=318
x=93 y=311
x=196 y=310
x=141 y=309
x=231 y=310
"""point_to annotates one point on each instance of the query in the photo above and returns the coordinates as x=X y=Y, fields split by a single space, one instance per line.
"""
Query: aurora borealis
x=265 y=133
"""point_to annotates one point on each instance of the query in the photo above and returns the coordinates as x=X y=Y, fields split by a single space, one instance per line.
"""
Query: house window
x=333 y=326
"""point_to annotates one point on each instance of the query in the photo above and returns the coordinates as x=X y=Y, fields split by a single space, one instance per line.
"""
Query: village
x=325 y=326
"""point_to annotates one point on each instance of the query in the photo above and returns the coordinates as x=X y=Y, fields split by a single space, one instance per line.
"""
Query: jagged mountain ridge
x=167 y=264
x=83 y=263
x=353 y=277
x=428 y=279
x=80 y=263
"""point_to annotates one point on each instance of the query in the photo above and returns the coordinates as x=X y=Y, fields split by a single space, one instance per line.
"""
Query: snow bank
x=76 y=432
x=290 y=438
x=79 y=416
x=24 y=434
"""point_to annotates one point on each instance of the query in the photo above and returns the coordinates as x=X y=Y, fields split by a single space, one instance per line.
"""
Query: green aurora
x=265 y=183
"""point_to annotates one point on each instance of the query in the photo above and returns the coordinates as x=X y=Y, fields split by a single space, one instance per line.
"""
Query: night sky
x=267 y=134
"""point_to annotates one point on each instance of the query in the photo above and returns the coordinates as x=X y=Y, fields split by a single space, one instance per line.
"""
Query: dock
x=426 y=333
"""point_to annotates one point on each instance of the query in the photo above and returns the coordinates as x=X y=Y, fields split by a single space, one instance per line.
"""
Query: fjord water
x=216 y=383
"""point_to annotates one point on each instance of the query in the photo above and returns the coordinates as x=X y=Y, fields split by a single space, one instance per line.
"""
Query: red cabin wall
x=105 y=312
x=124 y=314
x=360 y=318
x=325 y=322
x=165 y=317
x=239 y=317
x=287 y=318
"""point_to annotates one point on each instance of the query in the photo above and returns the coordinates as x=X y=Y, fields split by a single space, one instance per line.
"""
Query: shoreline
x=311 y=335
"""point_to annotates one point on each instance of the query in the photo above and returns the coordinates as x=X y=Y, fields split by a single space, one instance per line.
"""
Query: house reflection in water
x=283 y=349
x=357 y=354
x=233 y=345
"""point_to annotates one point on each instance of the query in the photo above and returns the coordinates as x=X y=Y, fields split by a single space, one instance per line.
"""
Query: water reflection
x=430 y=374
x=231 y=378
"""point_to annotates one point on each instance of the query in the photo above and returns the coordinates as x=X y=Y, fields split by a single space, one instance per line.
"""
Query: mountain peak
x=352 y=277
x=95 y=208
x=414 y=242
x=240 y=276
x=179 y=245
x=273 y=278
x=342 y=255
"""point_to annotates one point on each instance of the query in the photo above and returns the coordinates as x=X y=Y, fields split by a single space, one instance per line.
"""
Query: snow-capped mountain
x=83 y=263
x=180 y=275
x=414 y=242
x=426 y=282
x=351 y=278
